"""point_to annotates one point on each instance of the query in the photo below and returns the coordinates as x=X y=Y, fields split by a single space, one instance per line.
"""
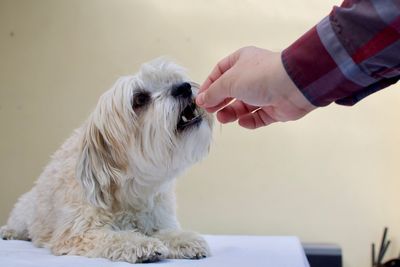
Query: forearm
x=348 y=55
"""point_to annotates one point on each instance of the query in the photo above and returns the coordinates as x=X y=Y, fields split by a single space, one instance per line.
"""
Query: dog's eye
x=140 y=99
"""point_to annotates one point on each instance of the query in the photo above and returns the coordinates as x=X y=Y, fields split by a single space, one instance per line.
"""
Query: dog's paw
x=184 y=245
x=131 y=247
x=135 y=250
x=151 y=250
x=8 y=234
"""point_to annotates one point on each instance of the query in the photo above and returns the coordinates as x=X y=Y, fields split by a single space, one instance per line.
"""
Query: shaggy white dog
x=109 y=190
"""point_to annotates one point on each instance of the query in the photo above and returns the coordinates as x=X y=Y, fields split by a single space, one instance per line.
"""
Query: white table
x=229 y=251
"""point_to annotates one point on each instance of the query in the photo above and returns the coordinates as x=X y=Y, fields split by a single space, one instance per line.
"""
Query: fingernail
x=200 y=99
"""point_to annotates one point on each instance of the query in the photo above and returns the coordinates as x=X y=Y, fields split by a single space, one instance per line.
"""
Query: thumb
x=218 y=91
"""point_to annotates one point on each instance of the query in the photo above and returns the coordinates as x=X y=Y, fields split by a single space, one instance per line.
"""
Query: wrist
x=290 y=91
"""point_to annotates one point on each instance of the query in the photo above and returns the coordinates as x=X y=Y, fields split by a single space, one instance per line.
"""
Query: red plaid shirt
x=350 y=54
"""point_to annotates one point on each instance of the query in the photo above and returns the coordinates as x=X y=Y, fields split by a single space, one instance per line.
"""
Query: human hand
x=252 y=86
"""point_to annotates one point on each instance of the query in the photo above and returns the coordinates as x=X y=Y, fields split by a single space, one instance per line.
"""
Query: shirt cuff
x=317 y=64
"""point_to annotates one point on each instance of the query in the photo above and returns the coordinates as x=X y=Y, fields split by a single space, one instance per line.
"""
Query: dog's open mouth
x=190 y=116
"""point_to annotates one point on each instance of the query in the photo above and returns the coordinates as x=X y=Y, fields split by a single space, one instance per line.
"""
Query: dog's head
x=146 y=128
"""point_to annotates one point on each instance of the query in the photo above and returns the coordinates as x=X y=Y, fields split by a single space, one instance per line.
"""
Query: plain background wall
x=332 y=176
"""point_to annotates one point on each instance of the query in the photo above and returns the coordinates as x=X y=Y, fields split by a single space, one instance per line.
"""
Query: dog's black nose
x=182 y=90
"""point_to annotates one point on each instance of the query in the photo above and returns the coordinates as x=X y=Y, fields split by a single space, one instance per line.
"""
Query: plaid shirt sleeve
x=350 y=54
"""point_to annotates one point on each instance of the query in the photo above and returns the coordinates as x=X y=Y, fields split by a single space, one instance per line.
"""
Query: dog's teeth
x=196 y=113
x=184 y=119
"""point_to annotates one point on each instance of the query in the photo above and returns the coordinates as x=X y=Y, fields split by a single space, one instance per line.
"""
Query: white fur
x=109 y=190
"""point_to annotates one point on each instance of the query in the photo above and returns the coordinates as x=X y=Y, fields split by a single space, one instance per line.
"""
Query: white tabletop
x=229 y=251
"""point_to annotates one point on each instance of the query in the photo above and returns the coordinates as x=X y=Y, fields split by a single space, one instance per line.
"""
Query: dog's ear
x=98 y=169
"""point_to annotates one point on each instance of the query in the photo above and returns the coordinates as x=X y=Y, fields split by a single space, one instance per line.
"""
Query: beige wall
x=330 y=177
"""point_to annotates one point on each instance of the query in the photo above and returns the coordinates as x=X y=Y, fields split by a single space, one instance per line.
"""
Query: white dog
x=109 y=190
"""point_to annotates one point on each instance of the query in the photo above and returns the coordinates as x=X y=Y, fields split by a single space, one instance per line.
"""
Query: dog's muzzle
x=191 y=115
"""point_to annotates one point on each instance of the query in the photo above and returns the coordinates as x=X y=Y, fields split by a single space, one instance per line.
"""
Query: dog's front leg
x=183 y=244
x=127 y=246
